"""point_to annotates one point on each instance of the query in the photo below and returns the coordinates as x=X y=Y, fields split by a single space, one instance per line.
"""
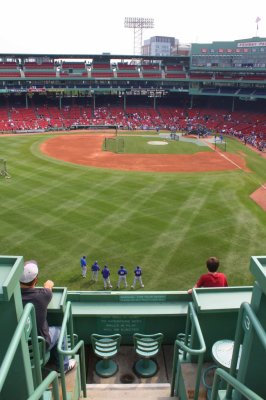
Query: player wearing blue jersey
x=137 y=278
x=122 y=277
x=83 y=264
x=106 y=277
x=95 y=268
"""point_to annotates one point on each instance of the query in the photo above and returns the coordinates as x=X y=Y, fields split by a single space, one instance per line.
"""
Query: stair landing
x=128 y=392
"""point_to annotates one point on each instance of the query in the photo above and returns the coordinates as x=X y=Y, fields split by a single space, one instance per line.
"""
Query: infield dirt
x=87 y=150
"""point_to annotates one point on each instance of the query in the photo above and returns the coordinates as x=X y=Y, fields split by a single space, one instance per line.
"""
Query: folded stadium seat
x=175 y=67
x=147 y=346
x=128 y=74
x=102 y=74
x=8 y=65
x=106 y=347
x=175 y=75
x=40 y=74
x=44 y=356
x=35 y=65
x=10 y=74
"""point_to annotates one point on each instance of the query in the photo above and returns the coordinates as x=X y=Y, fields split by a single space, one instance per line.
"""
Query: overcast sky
x=97 y=26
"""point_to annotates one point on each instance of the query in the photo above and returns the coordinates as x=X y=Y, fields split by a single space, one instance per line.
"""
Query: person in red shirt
x=212 y=278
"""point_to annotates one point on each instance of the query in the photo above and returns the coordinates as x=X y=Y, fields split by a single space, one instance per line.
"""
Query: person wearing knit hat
x=40 y=297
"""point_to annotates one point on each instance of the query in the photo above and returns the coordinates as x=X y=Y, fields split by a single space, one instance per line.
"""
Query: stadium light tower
x=138 y=24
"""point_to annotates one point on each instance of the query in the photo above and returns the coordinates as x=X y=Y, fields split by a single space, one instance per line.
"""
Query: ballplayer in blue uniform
x=95 y=268
x=137 y=278
x=122 y=272
x=83 y=264
x=106 y=277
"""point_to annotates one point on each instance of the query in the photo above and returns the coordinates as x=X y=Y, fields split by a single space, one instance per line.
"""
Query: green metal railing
x=246 y=316
x=220 y=374
x=192 y=331
x=27 y=327
x=73 y=349
x=52 y=378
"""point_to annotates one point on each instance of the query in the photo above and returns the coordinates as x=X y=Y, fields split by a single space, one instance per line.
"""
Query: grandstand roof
x=86 y=56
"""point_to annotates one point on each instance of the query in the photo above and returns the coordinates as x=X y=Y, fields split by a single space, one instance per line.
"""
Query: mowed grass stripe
x=179 y=230
x=168 y=223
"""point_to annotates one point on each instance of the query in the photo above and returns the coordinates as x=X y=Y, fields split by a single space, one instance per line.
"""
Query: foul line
x=232 y=162
x=228 y=159
x=222 y=155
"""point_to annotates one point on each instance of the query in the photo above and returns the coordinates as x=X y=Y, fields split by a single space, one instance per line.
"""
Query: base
x=106 y=369
x=145 y=368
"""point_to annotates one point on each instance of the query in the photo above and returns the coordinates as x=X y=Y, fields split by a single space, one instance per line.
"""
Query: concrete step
x=129 y=391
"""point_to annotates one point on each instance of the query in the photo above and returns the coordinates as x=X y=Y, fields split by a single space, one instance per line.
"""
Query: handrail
x=67 y=332
x=15 y=341
x=234 y=383
x=28 y=321
x=192 y=324
x=254 y=322
x=52 y=378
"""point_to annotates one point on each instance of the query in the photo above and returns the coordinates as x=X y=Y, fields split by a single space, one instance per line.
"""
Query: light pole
x=138 y=24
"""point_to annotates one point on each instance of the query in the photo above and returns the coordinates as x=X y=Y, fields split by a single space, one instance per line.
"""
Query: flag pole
x=257 y=25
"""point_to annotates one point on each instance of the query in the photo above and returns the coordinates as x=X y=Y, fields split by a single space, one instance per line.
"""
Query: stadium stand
x=238 y=124
x=183 y=92
x=175 y=75
x=10 y=74
x=128 y=74
x=208 y=89
x=37 y=65
x=125 y=66
x=8 y=65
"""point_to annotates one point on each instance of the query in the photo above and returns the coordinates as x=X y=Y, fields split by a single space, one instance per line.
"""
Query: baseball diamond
x=153 y=164
x=87 y=150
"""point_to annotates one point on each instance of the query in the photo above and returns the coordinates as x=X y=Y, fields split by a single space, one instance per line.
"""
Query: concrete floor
x=129 y=392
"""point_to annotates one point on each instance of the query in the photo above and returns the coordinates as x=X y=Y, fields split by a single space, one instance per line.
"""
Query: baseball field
x=165 y=207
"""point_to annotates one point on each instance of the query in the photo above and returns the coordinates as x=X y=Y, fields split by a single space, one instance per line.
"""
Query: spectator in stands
x=40 y=298
x=137 y=277
x=122 y=277
x=106 y=277
x=212 y=278
x=83 y=264
x=95 y=268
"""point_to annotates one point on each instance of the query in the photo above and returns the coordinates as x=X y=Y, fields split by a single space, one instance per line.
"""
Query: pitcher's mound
x=157 y=143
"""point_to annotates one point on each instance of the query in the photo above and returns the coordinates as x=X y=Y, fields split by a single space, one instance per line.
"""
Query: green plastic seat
x=106 y=347
x=147 y=346
x=44 y=355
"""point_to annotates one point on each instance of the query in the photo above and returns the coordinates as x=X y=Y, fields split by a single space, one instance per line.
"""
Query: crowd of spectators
x=257 y=140
x=248 y=127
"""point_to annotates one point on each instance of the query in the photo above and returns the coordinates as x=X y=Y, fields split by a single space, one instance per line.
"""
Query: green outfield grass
x=169 y=223
x=142 y=145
